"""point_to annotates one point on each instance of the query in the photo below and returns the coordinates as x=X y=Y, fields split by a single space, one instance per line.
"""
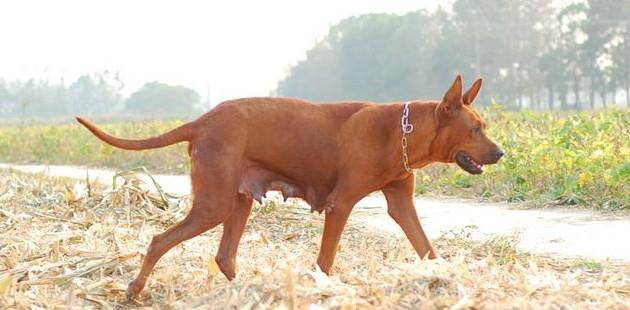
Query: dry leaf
x=5 y=284
x=263 y=238
x=213 y=268
x=291 y=236
x=348 y=306
x=291 y=291
x=69 y=195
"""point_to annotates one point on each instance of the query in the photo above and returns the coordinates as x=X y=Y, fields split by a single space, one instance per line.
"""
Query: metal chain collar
x=406 y=129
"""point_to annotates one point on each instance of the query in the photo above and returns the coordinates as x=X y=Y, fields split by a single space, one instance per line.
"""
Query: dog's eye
x=477 y=130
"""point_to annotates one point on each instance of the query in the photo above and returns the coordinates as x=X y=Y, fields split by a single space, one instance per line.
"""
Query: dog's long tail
x=179 y=134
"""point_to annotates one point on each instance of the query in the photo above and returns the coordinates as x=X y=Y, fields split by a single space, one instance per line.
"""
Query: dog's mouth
x=468 y=164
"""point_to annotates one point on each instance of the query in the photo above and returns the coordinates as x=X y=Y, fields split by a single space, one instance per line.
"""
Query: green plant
x=583 y=158
x=551 y=158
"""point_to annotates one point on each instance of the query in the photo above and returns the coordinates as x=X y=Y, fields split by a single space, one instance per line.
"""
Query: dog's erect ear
x=452 y=100
x=469 y=96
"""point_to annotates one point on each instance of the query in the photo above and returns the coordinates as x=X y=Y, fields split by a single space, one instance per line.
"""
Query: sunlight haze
x=203 y=45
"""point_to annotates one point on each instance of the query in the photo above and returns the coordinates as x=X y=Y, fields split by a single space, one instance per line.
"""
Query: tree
x=158 y=99
x=621 y=62
x=379 y=57
x=605 y=29
x=91 y=94
x=503 y=42
x=6 y=100
x=570 y=37
x=614 y=16
x=383 y=57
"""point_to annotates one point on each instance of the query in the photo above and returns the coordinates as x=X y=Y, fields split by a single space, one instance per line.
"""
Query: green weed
x=588 y=264
x=579 y=159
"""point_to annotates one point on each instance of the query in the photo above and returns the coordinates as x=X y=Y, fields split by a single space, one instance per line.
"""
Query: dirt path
x=559 y=231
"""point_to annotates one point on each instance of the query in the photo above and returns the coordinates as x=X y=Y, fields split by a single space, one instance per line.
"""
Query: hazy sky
x=238 y=48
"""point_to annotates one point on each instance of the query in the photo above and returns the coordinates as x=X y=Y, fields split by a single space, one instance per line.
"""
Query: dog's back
x=285 y=139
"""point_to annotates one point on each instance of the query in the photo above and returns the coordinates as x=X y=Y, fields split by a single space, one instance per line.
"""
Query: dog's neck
x=422 y=117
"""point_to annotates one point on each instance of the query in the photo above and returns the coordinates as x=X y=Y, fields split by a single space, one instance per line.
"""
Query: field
x=70 y=244
x=578 y=159
x=73 y=144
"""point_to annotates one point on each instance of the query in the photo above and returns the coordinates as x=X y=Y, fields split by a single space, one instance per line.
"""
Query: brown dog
x=330 y=155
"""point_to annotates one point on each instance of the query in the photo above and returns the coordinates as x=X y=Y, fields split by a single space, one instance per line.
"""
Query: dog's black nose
x=499 y=153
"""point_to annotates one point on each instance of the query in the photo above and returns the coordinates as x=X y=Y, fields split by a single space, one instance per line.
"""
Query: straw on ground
x=68 y=243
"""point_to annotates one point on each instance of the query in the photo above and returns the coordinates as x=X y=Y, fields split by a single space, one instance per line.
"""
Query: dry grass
x=79 y=245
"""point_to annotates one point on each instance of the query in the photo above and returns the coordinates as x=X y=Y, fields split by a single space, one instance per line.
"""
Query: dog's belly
x=256 y=181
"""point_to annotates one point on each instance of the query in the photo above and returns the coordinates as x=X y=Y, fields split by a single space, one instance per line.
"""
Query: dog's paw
x=133 y=292
x=227 y=266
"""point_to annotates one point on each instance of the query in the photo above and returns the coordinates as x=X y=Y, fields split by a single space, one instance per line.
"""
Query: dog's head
x=461 y=135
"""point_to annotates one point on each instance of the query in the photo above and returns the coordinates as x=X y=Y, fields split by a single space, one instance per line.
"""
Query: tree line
x=531 y=55
x=94 y=94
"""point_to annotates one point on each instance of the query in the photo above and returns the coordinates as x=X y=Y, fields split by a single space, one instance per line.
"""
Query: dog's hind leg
x=233 y=229
x=194 y=224
x=214 y=188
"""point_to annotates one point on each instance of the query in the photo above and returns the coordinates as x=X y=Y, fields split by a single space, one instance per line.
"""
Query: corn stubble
x=76 y=245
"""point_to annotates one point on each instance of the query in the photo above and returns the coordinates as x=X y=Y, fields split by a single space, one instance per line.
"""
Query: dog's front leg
x=400 y=206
